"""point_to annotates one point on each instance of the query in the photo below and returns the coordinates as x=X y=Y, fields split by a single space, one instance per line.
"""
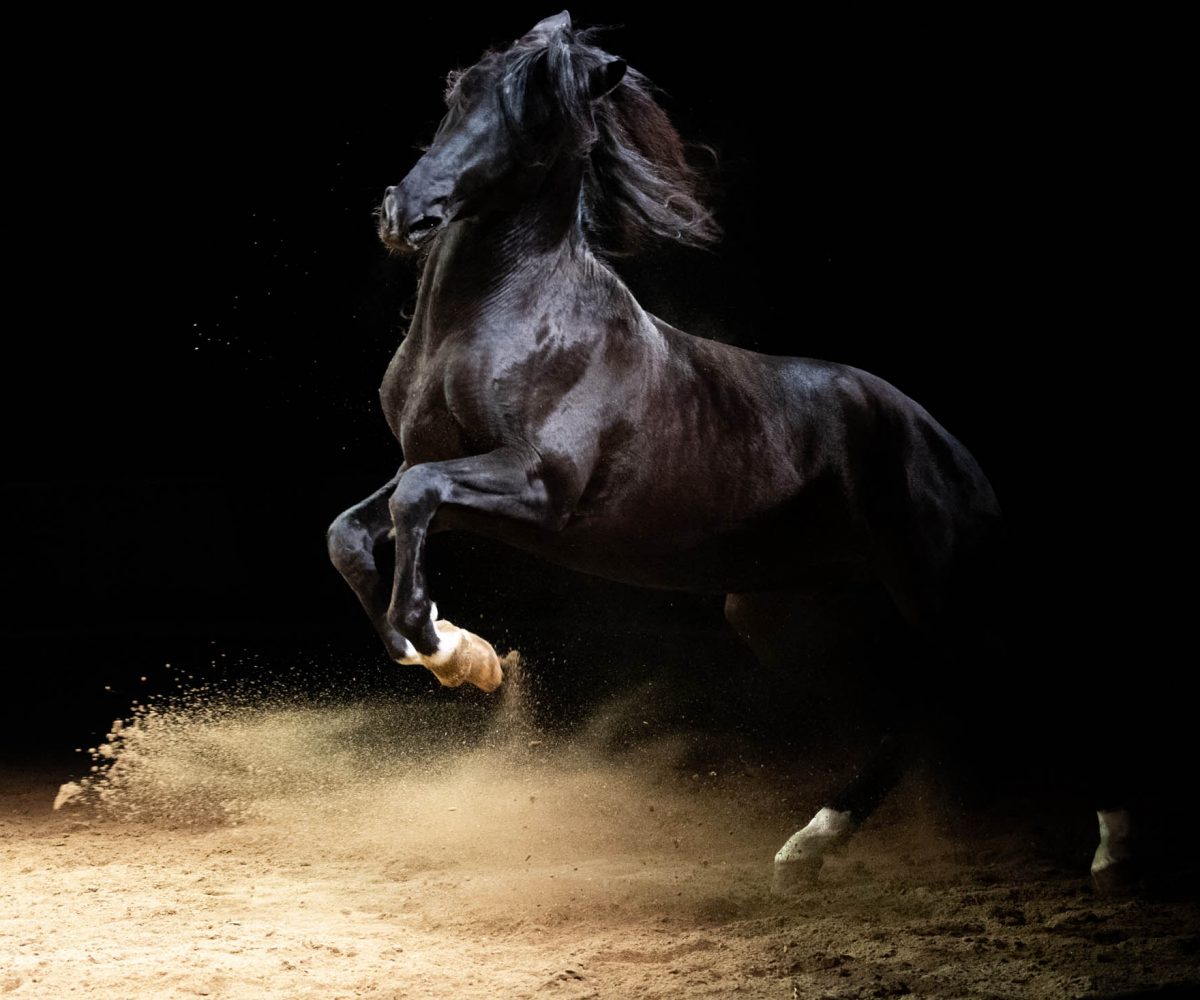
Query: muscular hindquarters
x=934 y=519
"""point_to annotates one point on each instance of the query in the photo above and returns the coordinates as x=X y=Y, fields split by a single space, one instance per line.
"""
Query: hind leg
x=799 y=633
x=1112 y=774
x=819 y=643
x=799 y=861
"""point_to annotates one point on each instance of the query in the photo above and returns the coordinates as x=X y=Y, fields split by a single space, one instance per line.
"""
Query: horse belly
x=800 y=542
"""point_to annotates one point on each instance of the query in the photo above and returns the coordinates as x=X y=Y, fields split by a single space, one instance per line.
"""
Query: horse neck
x=492 y=262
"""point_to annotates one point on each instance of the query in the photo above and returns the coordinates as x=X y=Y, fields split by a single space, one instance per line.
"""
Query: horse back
x=858 y=468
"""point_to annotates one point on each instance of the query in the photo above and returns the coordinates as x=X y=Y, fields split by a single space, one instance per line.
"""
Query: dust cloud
x=435 y=786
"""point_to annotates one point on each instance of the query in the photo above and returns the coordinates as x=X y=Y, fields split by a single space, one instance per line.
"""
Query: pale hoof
x=464 y=658
x=1119 y=878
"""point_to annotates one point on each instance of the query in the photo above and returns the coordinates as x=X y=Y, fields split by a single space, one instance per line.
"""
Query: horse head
x=510 y=118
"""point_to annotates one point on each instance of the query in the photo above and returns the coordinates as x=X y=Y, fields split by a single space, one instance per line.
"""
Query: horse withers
x=537 y=403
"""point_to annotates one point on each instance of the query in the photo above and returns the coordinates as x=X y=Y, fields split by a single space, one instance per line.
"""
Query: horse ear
x=605 y=77
x=550 y=26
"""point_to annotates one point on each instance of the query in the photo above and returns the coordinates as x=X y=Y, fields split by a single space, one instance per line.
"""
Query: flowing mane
x=638 y=184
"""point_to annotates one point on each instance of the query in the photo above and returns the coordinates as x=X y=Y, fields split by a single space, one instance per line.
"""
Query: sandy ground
x=261 y=851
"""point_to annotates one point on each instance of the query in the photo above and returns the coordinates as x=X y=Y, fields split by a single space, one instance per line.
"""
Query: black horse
x=536 y=402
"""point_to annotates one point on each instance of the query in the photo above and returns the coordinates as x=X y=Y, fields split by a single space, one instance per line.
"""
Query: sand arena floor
x=239 y=850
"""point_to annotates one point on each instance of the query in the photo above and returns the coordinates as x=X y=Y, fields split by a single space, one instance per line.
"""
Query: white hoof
x=450 y=637
x=799 y=860
x=411 y=657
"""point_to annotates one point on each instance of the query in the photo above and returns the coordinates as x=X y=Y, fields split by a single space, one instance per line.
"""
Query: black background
x=976 y=211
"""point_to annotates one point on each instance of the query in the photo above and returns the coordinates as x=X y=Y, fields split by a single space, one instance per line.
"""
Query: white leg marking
x=1116 y=840
x=828 y=829
x=799 y=860
x=411 y=657
x=1114 y=867
x=449 y=639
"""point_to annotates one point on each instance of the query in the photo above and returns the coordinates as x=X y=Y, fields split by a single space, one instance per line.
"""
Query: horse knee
x=348 y=543
x=416 y=496
x=414 y=618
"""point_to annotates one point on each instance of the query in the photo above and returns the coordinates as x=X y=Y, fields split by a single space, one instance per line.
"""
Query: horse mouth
x=414 y=237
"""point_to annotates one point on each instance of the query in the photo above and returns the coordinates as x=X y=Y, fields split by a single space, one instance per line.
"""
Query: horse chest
x=413 y=395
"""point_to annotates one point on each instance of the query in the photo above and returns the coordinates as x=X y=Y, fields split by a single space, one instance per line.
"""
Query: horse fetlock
x=416 y=621
x=407 y=654
x=799 y=860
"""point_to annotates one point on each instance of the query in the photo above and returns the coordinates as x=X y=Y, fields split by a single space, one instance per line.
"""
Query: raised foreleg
x=352 y=540
x=507 y=484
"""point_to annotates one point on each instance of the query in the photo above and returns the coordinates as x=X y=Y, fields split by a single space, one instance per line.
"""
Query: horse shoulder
x=394 y=389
